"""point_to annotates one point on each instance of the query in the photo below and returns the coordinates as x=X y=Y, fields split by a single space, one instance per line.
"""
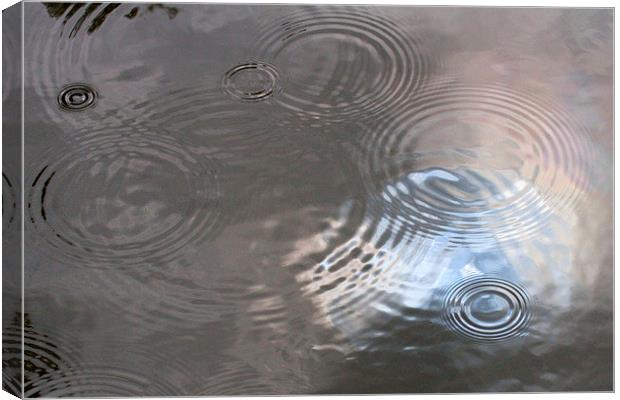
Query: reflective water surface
x=254 y=199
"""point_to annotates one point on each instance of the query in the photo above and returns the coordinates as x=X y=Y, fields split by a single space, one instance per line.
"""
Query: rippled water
x=245 y=199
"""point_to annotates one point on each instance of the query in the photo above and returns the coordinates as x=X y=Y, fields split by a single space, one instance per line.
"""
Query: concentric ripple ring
x=339 y=63
x=123 y=197
x=99 y=381
x=76 y=97
x=487 y=309
x=252 y=81
x=476 y=164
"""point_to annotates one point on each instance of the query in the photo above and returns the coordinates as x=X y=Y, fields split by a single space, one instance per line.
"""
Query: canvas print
x=253 y=199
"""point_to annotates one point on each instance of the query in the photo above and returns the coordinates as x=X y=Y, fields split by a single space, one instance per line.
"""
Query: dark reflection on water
x=300 y=199
x=75 y=14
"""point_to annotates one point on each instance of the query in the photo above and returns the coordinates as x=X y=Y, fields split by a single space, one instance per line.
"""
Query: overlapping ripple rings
x=352 y=284
x=476 y=164
x=486 y=309
x=340 y=63
x=57 y=364
x=100 y=381
x=57 y=57
x=268 y=200
x=43 y=353
x=103 y=376
x=75 y=45
x=123 y=196
x=237 y=378
x=207 y=116
x=363 y=280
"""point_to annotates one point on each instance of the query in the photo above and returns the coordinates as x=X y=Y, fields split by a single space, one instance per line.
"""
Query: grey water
x=288 y=199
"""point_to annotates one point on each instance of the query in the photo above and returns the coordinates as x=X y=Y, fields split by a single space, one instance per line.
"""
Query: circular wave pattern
x=357 y=271
x=364 y=280
x=209 y=117
x=123 y=197
x=342 y=63
x=99 y=381
x=251 y=81
x=43 y=354
x=487 y=309
x=57 y=58
x=79 y=373
x=477 y=165
x=237 y=378
x=71 y=47
x=76 y=97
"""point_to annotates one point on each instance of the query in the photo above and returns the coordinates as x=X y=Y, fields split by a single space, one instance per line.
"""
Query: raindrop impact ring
x=76 y=97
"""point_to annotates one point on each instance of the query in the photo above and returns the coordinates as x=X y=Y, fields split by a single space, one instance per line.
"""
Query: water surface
x=255 y=199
